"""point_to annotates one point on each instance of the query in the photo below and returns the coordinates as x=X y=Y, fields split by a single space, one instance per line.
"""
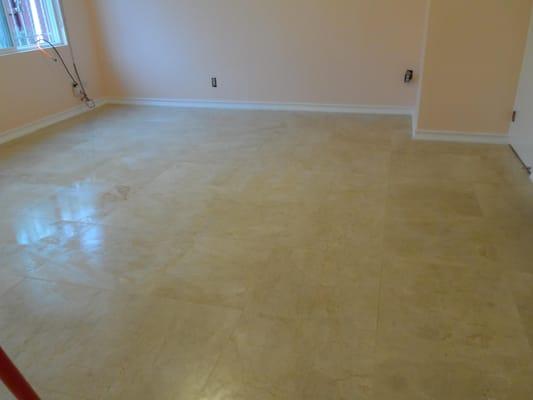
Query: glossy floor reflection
x=152 y=253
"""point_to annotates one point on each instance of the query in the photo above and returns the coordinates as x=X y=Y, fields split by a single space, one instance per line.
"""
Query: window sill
x=10 y=52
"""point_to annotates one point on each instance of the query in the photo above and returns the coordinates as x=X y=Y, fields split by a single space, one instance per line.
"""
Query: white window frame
x=12 y=49
x=5 y=7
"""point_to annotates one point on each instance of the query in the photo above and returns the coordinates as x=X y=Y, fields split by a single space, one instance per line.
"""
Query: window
x=29 y=24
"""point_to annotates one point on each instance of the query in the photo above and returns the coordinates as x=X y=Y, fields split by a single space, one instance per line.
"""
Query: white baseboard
x=231 y=105
x=462 y=137
x=27 y=129
x=24 y=130
x=433 y=135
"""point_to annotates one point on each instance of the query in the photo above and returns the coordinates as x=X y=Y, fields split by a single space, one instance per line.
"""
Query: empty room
x=266 y=200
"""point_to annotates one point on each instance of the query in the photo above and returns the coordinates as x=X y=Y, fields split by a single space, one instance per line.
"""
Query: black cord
x=90 y=102
x=78 y=75
x=75 y=82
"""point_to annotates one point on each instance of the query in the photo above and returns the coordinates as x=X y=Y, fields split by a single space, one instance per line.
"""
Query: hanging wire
x=74 y=77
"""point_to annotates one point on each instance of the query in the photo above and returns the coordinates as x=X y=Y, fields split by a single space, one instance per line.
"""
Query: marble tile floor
x=158 y=253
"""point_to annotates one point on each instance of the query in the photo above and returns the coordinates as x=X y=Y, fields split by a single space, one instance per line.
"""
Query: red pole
x=13 y=379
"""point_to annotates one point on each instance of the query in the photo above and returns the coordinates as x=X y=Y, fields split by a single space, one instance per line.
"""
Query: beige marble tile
x=52 y=395
x=504 y=202
x=430 y=200
x=451 y=167
x=84 y=201
x=404 y=144
x=287 y=297
x=306 y=284
x=129 y=169
x=522 y=288
x=21 y=261
x=100 y=344
x=186 y=177
x=448 y=379
x=453 y=240
x=18 y=197
x=275 y=358
x=367 y=161
x=44 y=394
x=264 y=357
x=512 y=238
x=22 y=239
x=214 y=270
x=370 y=129
x=22 y=230
x=167 y=215
x=286 y=182
x=442 y=310
x=8 y=279
x=340 y=351
x=108 y=257
x=161 y=253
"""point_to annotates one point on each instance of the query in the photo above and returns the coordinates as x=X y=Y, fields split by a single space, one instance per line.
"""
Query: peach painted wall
x=33 y=87
x=472 y=64
x=311 y=51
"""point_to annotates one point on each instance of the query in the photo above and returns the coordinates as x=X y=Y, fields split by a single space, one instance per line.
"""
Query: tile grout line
x=21 y=279
x=382 y=269
x=127 y=293
x=227 y=341
x=507 y=278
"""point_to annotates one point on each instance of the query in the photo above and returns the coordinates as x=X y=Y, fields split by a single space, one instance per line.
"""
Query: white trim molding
x=462 y=137
x=232 y=105
x=27 y=129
